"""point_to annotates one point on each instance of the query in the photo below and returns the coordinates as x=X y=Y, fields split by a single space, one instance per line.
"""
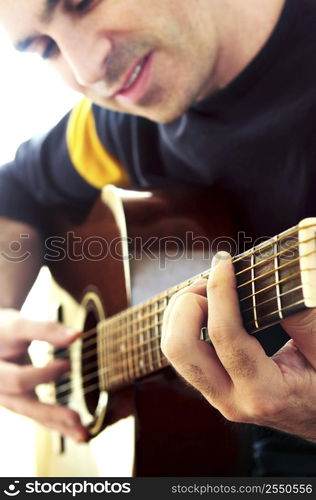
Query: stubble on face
x=165 y=29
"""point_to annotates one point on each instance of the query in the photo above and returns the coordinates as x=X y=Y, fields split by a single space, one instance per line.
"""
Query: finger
x=17 y=332
x=54 y=333
x=58 y=418
x=198 y=287
x=240 y=353
x=195 y=360
x=302 y=328
x=15 y=379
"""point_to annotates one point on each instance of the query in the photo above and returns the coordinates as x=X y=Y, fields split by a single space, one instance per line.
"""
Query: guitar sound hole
x=89 y=364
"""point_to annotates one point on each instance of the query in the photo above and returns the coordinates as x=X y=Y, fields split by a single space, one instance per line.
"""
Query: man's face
x=151 y=58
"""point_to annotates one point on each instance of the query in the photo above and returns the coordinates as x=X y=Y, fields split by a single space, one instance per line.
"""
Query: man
x=209 y=92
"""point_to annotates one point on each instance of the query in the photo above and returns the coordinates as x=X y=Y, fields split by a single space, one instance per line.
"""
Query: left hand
x=236 y=376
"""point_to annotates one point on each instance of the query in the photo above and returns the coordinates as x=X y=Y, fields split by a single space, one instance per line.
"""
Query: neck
x=271 y=285
x=243 y=28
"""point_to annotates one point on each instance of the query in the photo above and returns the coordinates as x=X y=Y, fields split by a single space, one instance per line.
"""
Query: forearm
x=20 y=261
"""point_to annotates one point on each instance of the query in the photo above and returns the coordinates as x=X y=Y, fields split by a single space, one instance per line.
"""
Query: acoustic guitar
x=114 y=274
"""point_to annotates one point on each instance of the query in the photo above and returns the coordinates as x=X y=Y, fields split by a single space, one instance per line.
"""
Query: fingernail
x=219 y=258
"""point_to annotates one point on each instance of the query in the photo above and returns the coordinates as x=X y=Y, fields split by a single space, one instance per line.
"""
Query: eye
x=83 y=5
x=50 y=50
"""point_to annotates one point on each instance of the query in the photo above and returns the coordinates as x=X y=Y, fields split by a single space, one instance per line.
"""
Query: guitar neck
x=274 y=280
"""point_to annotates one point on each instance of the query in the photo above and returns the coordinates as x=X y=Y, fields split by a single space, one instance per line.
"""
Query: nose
x=86 y=56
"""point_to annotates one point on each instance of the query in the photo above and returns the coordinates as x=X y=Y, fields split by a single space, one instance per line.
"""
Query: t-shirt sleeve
x=62 y=170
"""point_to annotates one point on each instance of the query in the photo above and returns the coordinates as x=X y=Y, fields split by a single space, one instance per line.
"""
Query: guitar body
x=133 y=245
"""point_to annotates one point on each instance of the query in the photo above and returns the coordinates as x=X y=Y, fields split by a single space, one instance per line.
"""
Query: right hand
x=18 y=378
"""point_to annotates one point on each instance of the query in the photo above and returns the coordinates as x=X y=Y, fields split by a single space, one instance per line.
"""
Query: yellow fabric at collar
x=88 y=154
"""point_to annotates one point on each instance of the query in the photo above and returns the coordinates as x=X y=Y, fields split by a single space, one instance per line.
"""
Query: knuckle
x=17 y=383
x=185 y=302
x=170 y=349
x=217 y=333
x=179 y=298
x=262 y=410
x=17 y=325
x=233 y=413
x=175 y=298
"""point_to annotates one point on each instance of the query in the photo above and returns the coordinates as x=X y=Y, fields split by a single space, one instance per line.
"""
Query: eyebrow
x=46 y=17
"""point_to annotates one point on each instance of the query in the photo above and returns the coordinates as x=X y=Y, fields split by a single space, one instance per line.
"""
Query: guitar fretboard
x=269 y=285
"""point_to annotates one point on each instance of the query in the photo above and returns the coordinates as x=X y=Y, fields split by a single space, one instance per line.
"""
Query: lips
x=133 y=75
x=137 y=81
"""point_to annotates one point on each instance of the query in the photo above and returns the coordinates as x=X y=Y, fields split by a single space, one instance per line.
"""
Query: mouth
x=136 y=81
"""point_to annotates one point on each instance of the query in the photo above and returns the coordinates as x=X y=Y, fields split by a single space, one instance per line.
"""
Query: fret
x=118 y=354
x=141 y=340
x=102 y=337
x=135 y=351
x=121 y=347
x=260 y=306
x=253 y=290
x=289 y=274
x=154 y=335
x=244 y=288
x=109 y=342
x=118 y=347
x=265 y=273
x=148 y=323
x=163 y=302
x=307 y=237
x=277 y=279
x=106 y=367
x=129 y=346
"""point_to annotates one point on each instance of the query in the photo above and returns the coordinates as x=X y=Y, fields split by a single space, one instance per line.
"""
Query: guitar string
x=272 y=271
x=273 y=256
x=275 y=239
x=119 y=363
x=114 y=354
x=111 y=386
x=112 y=332
x=113 y=340
x=258 y=304
x=138 y=307
x=155 y=312
x=264 y=275
x=65 y=387
x=267 y=245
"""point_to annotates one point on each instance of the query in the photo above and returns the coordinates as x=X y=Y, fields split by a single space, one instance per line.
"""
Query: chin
x=155 y=107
